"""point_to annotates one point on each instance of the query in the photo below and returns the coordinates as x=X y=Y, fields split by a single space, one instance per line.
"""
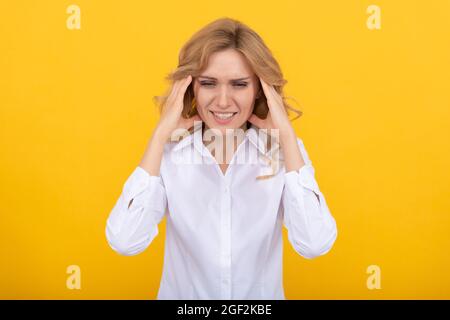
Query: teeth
x=223 y=116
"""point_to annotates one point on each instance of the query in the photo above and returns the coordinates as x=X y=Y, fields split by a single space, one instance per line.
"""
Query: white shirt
x=223 y=231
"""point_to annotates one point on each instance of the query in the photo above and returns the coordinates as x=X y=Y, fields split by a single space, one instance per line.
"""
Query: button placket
x=226 y=240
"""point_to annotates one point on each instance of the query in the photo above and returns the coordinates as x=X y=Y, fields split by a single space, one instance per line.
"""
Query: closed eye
x=206 y=83
x=210 y=84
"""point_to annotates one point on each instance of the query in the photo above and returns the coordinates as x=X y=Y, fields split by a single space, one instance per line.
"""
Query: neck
x=226 y=138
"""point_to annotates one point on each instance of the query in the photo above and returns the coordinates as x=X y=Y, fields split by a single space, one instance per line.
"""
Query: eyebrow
x=212 y=78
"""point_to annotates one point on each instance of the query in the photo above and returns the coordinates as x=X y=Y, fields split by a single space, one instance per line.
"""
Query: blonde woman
x=225 y=203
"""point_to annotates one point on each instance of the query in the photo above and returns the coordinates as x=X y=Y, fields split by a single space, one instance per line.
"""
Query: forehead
x=228 y=64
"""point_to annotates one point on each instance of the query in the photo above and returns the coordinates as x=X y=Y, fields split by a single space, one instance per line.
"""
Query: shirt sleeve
x=133 y=221
x=311 y=228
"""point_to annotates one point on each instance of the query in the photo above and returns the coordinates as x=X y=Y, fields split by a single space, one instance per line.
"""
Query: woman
x=224 y=216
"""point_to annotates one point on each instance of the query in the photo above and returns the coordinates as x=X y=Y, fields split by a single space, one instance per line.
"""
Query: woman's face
x=225 y=92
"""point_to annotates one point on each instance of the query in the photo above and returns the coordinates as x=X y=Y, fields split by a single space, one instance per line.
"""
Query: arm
x=311 y=228
x=133 y=222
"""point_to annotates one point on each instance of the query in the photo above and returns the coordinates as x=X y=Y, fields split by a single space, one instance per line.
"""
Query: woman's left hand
x=277 y=117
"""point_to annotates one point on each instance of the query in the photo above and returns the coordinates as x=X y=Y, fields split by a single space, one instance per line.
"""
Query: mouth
x=223 y=117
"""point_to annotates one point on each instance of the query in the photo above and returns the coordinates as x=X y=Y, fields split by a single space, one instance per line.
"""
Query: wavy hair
x=222 y=34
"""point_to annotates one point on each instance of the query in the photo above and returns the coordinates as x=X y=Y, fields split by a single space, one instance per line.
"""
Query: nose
x=223 y=98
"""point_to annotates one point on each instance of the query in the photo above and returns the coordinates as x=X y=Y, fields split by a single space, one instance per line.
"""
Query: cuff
x=138 y=182
x=304 y=176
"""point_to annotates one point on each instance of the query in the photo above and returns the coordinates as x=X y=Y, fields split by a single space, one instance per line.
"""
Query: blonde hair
x=222 y=34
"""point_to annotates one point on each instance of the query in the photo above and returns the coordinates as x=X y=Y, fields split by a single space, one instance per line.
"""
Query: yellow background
x=76 y=115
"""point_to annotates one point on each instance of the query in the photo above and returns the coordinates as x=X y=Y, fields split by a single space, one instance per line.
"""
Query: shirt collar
x=255 y=136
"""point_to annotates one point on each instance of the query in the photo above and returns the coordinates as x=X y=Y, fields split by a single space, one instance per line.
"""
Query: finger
x=274 y=99
x=170 y=97
x=269 y=90
x=175 y=93
x=181 y=90
x=265 y=87
x=176 y=86
x=183 y=86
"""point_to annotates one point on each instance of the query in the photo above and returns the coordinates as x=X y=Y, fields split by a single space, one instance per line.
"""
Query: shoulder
x=176 y=152
x=169 y=147
x=168 y=151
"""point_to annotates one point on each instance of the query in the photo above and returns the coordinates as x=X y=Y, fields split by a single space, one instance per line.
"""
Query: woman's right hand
x=171 y=118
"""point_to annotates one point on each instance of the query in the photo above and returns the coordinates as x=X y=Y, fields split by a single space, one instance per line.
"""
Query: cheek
x=203 y=98
x=245 y=101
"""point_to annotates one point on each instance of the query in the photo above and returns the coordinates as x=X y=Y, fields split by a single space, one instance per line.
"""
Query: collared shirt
x=223 y=231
